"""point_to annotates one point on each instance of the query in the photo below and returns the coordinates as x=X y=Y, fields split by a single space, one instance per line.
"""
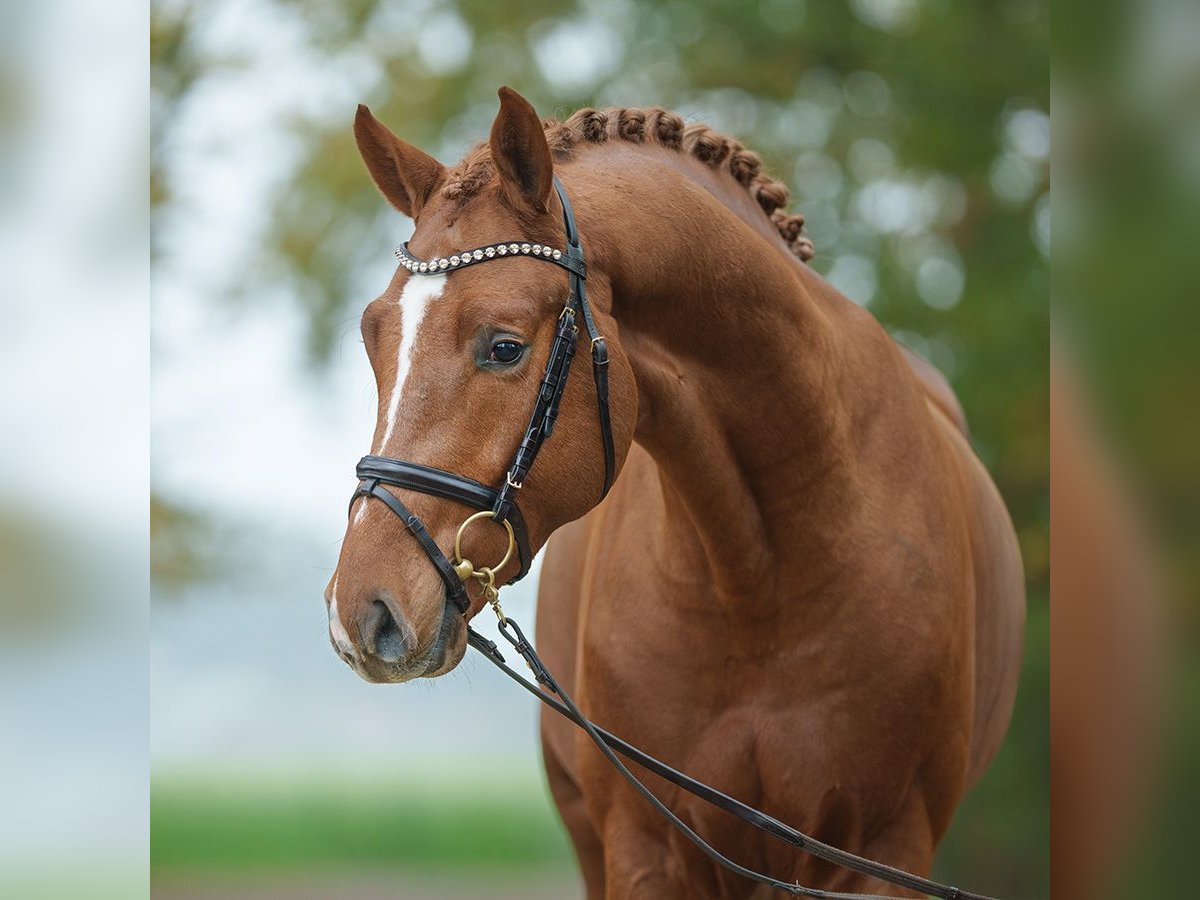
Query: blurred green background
x=915 y=137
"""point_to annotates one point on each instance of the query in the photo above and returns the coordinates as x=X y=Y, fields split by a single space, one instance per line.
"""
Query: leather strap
x=449 y=486
x=578 y=298
x=600 y=376
x=427 y=480
x=607 y=742
x=454 y=586
x=554 y=381
x=545 y=410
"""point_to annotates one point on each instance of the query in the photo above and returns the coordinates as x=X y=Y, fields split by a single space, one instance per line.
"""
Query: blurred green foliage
x=1126 y=151
x=835 y=104
x=1126 y=270
x=184 y=546
x=908 y=131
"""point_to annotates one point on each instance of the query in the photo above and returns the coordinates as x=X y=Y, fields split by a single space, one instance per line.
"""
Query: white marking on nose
x=414 y=303
x=337 y=630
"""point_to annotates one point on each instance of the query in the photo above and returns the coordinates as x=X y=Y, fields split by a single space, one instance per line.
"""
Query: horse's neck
x=741 y=362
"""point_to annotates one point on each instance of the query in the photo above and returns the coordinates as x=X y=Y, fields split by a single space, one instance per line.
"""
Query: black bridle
x=500 y=505
x=373 y=471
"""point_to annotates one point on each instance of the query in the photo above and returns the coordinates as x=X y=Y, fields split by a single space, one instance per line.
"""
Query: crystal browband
x=482 y=254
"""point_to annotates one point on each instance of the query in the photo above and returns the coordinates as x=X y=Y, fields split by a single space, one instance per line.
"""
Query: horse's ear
x=405 y=175
x=520 y=152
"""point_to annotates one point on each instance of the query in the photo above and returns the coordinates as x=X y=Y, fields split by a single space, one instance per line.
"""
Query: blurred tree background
x=914 y=135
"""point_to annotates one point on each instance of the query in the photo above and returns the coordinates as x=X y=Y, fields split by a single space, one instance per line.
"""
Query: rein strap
x=608 y=742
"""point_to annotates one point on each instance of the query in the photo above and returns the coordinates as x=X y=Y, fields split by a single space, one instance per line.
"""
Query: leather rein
x=499 y=504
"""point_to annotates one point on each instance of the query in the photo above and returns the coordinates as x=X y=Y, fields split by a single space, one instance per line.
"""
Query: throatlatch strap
x=600 y=377
x=599 y=346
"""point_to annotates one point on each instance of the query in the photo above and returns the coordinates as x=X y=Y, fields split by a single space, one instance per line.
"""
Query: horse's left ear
x=520 y=152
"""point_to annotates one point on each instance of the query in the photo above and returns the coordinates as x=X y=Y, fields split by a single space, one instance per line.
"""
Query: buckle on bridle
x=515 y=485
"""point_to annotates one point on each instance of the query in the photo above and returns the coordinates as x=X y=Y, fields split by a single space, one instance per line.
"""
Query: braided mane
x=658 y=126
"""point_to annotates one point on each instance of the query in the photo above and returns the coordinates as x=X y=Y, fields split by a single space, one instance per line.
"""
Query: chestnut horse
x=803 y=588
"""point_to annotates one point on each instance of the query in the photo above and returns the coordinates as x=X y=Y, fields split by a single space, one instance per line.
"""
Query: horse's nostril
x=387 y=640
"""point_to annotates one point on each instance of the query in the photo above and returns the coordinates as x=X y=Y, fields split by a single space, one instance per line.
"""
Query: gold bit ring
x=475 y=517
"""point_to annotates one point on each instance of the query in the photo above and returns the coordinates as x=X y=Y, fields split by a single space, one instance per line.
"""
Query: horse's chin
x=450 y=656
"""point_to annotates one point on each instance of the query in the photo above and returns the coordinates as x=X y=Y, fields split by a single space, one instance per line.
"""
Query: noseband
x=500 y=502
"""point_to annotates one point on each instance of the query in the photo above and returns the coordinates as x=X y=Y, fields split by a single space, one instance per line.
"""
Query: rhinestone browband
x=480 y=254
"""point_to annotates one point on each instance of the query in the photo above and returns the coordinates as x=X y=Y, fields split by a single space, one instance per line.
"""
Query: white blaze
x=337 y=630
x=414 y=303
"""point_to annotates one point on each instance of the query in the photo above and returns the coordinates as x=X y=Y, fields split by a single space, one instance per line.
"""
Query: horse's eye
x=506 y=352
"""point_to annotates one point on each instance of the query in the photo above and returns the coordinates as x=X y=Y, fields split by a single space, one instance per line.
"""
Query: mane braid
x=651 y=125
